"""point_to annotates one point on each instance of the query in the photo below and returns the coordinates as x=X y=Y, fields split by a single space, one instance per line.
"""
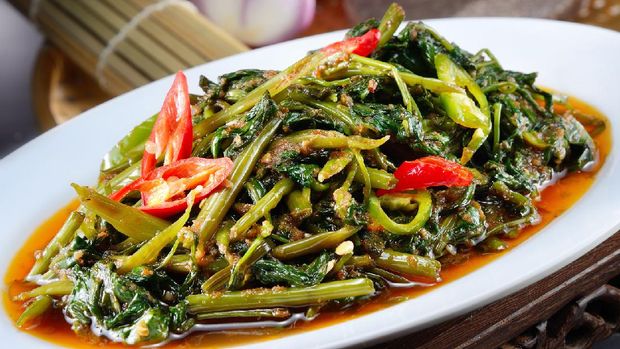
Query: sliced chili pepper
x=425 y=207
x=164 y=189
x=172 y=133
x=359 y=45
x=429 y=171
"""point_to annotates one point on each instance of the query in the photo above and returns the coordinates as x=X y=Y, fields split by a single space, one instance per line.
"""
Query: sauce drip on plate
x=555 y=200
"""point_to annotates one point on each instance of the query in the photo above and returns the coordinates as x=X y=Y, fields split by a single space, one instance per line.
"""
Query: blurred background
x=61 y=57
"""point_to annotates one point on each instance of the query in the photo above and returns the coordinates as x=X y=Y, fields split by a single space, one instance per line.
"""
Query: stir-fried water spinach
x=364 y=164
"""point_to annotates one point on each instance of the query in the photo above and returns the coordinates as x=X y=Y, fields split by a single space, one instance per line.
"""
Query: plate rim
x=392 y=331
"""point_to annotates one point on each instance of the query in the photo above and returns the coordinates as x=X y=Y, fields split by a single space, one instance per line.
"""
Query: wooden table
x=573 y=308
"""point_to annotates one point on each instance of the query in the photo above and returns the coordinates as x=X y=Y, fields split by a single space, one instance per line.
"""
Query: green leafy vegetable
x=323 y=209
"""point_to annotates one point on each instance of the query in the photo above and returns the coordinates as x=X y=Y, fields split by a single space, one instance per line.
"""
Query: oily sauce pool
x=555 y=200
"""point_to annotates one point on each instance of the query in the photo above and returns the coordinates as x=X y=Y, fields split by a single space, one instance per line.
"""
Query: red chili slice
x=359 y=45
x=164 y=189
x=172 y=133
x=430 y=171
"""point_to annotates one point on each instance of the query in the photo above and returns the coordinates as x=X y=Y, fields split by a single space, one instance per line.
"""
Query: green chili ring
x=425 y=205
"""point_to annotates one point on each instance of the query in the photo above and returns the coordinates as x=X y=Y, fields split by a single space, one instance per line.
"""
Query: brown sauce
x=51 y=327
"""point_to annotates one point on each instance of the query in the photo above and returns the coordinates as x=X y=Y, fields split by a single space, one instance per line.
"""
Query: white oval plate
x=578 y=60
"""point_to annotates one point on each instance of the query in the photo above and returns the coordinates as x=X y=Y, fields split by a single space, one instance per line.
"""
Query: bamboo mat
x=125 y=44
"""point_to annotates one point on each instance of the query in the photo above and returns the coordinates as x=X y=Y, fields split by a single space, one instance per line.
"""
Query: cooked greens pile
x=308 y=212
